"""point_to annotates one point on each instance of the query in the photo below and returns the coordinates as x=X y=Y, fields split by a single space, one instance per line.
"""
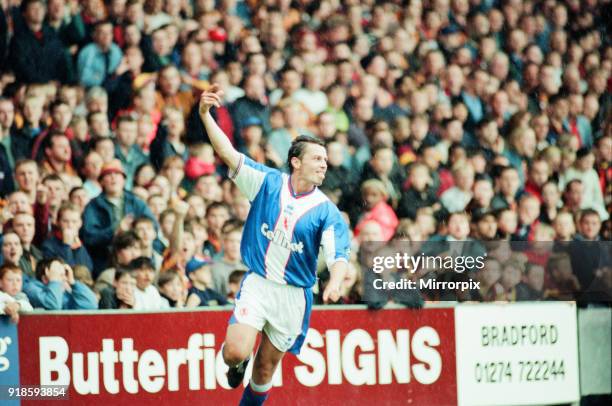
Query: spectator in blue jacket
x=100 y=59
x=65 y=242
x=115 y=208
x=55 y=288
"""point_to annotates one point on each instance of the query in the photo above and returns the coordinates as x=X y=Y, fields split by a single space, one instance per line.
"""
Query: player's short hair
x=298 y=146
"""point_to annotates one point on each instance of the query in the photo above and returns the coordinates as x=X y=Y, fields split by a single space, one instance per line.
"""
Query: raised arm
x=222 y=145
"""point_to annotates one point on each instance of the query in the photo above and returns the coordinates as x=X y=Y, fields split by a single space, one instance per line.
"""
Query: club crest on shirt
x=287 y=215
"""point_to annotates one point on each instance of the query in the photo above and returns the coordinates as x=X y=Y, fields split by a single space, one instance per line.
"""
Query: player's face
x=314 y=164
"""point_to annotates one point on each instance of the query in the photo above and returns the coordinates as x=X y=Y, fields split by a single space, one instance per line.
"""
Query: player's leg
x=266 y=361
x=247 y=320
x=286 y=322
x=239 y=342
x=238 y=346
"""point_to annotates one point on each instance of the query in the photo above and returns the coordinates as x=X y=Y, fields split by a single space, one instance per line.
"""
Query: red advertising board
x=351 y=357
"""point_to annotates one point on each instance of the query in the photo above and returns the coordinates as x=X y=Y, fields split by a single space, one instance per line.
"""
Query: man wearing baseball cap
x=115 y=208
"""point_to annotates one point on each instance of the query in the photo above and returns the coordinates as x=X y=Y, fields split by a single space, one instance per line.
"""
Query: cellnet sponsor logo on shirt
x=280 y=238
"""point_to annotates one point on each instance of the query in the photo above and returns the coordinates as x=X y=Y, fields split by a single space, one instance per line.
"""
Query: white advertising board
x=518 y=354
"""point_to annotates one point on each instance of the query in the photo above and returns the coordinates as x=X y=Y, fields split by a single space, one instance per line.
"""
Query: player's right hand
x=331 y=294
x=209 y=98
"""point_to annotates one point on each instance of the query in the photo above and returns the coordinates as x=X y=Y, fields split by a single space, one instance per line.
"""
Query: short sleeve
x=335 y=238
x=249 y=176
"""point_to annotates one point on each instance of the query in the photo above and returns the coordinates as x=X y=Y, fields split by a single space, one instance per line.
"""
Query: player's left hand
x=331 y=293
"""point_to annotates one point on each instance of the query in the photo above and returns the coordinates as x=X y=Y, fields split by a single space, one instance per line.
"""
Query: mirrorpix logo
x=5 y=342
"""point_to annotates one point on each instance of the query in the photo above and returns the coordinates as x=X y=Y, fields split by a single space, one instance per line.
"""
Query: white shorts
x=278 y=310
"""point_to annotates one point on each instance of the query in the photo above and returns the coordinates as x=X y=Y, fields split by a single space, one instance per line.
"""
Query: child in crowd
x=172 y=288
x=55 y=288
x=234 y=281
x=146 y=295
x=82 y=274
x=201 y=294
x=564 y=227
x=12 y=300
x=121 y=294
x=145 y=229
x=124 y=248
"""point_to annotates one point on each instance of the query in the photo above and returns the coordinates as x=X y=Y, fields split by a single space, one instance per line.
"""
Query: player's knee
x=234 y=354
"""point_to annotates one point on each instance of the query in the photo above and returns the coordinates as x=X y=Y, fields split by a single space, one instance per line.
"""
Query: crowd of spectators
x=492 y=112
